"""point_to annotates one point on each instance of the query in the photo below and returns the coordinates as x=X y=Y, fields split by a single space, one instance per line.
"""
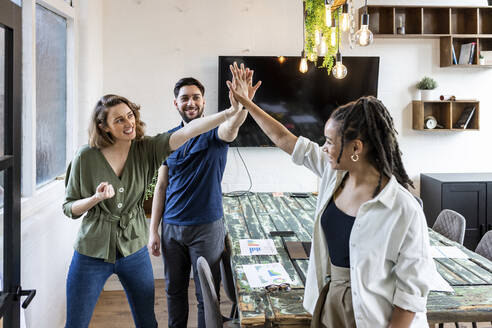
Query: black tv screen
x=301 y=102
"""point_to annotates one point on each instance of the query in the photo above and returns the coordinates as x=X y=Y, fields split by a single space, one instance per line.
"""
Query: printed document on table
x=261 y=275
x=257 y=247
x=438 y=284
x=447 y=252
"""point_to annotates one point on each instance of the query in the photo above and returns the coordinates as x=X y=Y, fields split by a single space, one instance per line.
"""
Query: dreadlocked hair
x=368 y=119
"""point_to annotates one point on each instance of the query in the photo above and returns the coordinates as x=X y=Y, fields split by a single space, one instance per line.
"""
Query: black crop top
x=337 y=227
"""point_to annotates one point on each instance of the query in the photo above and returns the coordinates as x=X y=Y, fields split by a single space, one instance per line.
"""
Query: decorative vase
x=425 y=95
x=481 y=61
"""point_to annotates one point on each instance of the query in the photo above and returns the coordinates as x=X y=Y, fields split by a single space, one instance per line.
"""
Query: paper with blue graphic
x=261 y=275
x=257 y=247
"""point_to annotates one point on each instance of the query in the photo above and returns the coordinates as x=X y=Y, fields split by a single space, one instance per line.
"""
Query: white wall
x=149 y=45
x=46 y=252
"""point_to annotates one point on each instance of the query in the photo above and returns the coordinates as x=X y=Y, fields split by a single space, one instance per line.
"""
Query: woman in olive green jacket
x=107 y=179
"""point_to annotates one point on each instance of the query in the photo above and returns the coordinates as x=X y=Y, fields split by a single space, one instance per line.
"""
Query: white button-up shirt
x=390 y=262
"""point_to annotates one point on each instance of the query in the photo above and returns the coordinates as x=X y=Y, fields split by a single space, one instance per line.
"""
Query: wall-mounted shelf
x=446 y=114
x=453 y=25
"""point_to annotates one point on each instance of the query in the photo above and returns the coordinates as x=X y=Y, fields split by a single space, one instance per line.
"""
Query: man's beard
x=186 y=119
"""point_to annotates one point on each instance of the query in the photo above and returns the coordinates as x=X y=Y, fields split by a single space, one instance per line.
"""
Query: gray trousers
x=181 y=247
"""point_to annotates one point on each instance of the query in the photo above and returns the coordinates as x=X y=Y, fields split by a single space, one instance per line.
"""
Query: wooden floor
x=112 y=309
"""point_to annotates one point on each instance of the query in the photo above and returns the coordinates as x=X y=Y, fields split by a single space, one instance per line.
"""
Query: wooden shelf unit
x=453 y=25
x=446 y=114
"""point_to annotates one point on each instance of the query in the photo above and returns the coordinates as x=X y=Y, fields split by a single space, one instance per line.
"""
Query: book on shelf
x=472 y=52
x=454 y=54
x=465 y=117
x=466 y=53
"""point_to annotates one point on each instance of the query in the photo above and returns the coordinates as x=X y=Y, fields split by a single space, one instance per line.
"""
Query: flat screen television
x=302 y=102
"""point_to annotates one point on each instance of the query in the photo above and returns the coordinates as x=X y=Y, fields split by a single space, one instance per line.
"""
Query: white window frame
x=60 y=7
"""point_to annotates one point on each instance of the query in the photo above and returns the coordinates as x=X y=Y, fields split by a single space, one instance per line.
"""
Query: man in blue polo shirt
x=190 y=183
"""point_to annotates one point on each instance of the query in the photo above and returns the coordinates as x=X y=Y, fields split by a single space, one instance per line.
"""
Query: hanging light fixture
x=322 y=47
x=323 y=20
x=364 y=36
x=328 y=12
x=303 y=66
x=333 y=36
x=281 y=59
x=339 y=70
x=345 y=21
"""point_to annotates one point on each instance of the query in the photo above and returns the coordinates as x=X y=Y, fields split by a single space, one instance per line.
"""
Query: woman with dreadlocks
x=370 y=234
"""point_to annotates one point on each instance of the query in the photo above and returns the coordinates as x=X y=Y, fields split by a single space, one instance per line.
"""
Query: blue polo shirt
x=194 y=193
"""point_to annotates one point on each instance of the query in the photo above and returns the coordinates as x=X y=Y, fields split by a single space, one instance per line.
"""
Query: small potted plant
x=481 y=59
x=149 y=195
x=426 y=85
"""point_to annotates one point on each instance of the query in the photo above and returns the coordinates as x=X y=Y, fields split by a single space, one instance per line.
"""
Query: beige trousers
x=337 y=310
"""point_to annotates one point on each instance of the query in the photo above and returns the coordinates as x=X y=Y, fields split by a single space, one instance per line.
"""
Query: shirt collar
x=388 y=194
x=385 y=196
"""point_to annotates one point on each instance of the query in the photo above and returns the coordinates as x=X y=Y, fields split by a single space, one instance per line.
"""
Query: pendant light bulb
x=333 y=36
x=345 y=20
x=303 y=67
x=364 y=36
x=322 y=47
x=328 y=15
x=339 y=70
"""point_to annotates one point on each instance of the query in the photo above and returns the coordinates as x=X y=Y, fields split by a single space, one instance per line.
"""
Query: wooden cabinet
x=446 y=114
x=453 y=25
x=469 y=194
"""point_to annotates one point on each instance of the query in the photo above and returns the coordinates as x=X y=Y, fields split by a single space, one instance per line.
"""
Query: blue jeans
x=181 y=247
x=87 y=276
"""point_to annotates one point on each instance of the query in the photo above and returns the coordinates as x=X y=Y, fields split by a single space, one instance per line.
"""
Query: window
x=48 y=83
x=51 y=94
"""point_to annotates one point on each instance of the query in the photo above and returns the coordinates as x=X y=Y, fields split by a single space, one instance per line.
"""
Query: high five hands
x=241 y=85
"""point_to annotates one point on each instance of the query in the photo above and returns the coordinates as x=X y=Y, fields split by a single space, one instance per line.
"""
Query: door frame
x=10 y=164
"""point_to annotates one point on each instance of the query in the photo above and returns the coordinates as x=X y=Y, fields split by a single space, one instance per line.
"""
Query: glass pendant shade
x=345 y=19
x=303 y=67
x=364 y=36
x=339 y=70
x=322 y=47
x=328 y=15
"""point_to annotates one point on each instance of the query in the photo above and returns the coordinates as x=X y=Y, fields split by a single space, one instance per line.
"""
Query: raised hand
x=251 y=89
x=104 y=191
x=241 y=87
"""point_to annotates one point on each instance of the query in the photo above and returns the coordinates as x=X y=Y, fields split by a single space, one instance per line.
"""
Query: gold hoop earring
x=354 y=157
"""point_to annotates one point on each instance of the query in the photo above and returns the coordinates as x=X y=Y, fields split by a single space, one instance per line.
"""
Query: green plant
x=314 y=22
x=480 y=56
x=427 y=83
x=149 y=191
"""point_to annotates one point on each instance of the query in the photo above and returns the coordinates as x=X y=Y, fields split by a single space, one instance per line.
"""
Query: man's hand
x=242 y=87
x=154 y=245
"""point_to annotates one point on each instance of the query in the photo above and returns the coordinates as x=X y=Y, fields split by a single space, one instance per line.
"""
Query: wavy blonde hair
x=99 y=138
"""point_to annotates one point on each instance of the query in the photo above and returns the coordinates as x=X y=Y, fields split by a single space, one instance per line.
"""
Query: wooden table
x=255 y=215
